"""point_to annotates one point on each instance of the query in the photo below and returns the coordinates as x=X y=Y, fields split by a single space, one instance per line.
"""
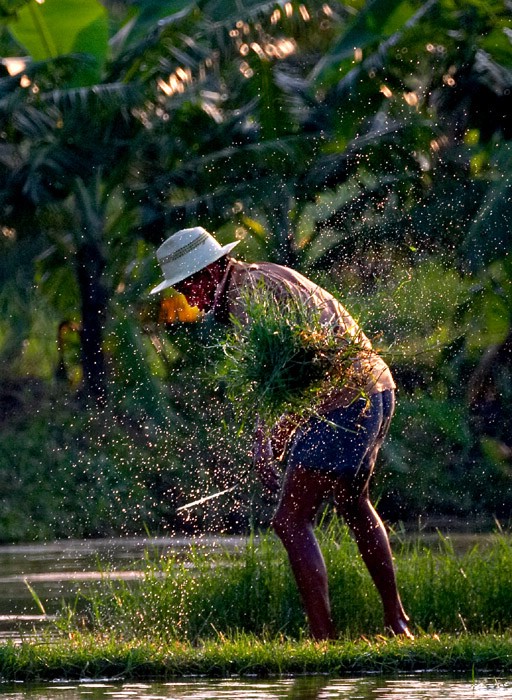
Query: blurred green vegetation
x=366 y=144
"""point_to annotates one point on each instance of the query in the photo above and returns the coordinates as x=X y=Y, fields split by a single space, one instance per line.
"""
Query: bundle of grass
x=285 y=359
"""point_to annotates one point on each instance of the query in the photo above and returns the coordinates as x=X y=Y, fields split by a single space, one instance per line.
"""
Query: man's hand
x=281 y=434
x=263 y=460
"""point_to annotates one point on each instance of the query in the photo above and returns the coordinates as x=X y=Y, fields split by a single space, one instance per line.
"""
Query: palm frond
x=233 y=164
x=330 y=170
x=104 y=96
x=41 y=73
x=31 y=122
x=490 y=232
x=358 y=35
x=213 y=207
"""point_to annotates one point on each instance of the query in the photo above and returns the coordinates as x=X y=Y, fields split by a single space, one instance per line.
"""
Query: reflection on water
x=308 y=688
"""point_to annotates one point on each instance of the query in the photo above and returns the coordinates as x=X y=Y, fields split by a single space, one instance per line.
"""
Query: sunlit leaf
x=57 y=27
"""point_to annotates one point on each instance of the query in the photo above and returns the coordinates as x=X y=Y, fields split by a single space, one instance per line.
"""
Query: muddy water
x=420 y=687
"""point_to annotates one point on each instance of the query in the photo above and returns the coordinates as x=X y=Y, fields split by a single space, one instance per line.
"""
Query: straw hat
x=186 y=252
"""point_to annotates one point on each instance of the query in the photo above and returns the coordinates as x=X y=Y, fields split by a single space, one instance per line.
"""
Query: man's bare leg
x=373 y=543
x=302 y=494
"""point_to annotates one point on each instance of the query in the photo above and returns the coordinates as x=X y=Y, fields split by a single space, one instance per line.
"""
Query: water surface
x=418 y=687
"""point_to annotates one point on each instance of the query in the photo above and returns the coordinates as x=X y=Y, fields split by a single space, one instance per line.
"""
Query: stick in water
x=205 y=498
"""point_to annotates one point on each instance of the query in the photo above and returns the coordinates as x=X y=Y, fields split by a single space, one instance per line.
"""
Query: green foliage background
x=366 y=144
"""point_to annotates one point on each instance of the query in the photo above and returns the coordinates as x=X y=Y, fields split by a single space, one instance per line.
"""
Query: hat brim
x=171 y=281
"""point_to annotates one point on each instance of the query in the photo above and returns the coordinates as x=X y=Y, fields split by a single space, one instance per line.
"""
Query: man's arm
x=263 y=458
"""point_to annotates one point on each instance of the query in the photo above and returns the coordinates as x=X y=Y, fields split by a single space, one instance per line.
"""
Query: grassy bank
x=251 y=591
x=91 y=656
x=237 y=612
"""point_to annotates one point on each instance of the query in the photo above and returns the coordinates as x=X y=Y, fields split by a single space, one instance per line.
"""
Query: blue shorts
x=345 y=442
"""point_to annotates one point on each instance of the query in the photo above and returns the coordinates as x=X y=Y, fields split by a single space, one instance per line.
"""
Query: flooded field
x=36 y=578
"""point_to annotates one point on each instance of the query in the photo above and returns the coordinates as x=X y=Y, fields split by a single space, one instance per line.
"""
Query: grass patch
x=251 y=591
x=92 y=656
x=224 y=613
x=286 y=359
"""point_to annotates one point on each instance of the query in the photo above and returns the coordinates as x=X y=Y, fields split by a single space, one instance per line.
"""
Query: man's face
x=199 y=289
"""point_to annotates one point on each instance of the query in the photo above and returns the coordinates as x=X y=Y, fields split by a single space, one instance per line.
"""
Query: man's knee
x=286 y=523
x=281 y=524
x=352 y=508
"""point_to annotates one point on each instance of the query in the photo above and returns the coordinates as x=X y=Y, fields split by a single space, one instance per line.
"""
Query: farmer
x=333 y=453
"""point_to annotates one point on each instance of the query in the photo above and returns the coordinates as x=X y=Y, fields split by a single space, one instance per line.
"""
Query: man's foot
x=400 y=627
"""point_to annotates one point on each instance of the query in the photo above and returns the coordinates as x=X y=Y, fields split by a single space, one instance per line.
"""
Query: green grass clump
x=447 y=591
x=253 y=592
x=202 y=596
x=103 y=656
x=284 y=359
